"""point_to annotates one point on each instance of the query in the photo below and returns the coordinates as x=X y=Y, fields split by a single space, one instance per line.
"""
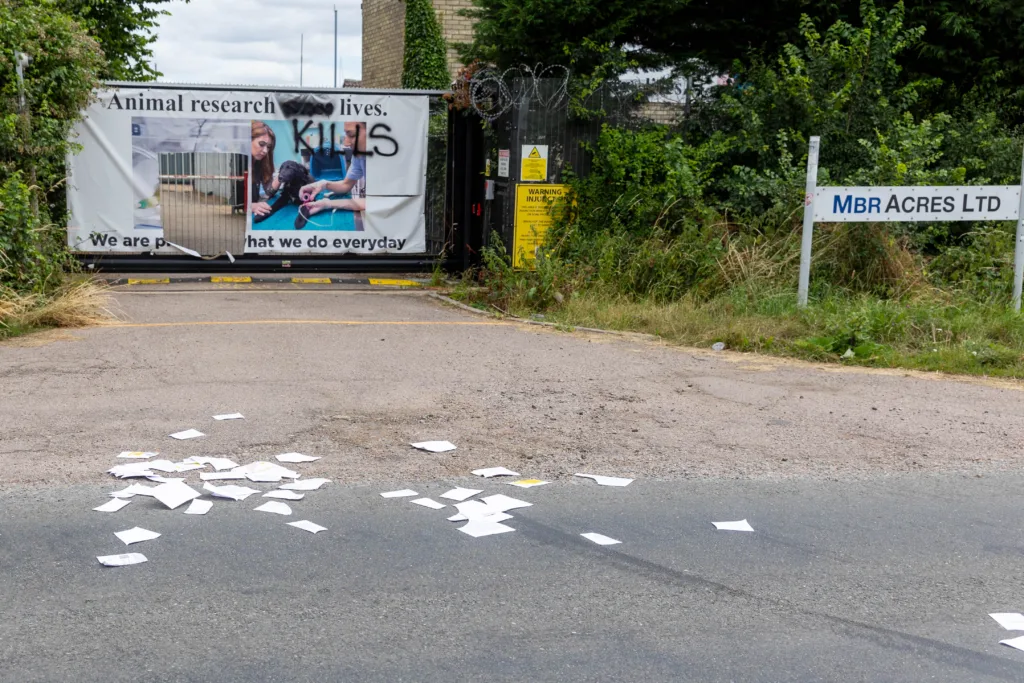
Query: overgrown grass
x=78 y=303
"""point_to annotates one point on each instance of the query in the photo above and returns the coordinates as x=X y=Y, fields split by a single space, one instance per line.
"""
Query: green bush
x=425 y=65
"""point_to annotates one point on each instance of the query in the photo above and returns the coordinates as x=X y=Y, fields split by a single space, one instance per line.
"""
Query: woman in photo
x=264 y=175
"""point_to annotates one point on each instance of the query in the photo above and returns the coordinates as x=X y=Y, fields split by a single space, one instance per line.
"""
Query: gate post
x=808 y=234
x=1018 y=247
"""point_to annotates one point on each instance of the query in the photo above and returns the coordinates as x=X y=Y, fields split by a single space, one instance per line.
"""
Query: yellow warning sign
x=534 y=164
x=536 y=208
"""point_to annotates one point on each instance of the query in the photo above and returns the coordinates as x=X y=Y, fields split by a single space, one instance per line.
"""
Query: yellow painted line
x=353 y=323
x=153 y=281
x=239 y=280
x=395 y=283
x=311 y=280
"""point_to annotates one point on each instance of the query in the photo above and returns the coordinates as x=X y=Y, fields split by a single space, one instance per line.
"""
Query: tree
x=425 y=65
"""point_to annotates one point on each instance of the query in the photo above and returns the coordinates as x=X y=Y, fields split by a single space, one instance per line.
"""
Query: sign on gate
x=267 y=172
x=535 y=207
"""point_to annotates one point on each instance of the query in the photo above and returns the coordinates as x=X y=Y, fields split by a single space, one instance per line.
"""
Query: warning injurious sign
x=536 y=207
x=534 y=164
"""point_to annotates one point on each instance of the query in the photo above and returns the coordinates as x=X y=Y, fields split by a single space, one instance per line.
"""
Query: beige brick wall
x=384 y=38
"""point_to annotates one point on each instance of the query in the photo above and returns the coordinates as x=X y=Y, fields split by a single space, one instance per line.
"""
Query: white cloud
x=256 y=42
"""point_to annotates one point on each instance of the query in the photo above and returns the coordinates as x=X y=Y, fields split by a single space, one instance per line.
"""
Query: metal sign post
x=808 y=235
x=1018 y=248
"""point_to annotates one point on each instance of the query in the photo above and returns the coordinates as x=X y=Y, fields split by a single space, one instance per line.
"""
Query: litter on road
x=607 y=481
x=121 y=560
x=229 y=416
x=230 y=491
x=135 y=469
x=741 y=525
x=199 y=507
x=266 y=471
x=489 y=472
x=478 y=527
x=502 y=503
x=460 y=494
x=221 y=476
x=187 y=434
x=1017 y=643
x=429 y=503
x=136 y=535
x=218 y=463
x=528 y=483
x=305 y=484
x=404 y=493
x=134 y=490
x=435 y=446
x=175 y=494
x=307 y=525
x=137 y=454
x=112 y=505
x=599 y=539
x=1011 y=621
x=296 y=457
x=275 y=507
x=284 y=495
x=490 y=516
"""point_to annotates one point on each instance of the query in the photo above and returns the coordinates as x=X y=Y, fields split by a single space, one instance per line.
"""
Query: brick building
x=384 y=38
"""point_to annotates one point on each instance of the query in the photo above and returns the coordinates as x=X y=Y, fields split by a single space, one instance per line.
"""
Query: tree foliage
x=425 y=65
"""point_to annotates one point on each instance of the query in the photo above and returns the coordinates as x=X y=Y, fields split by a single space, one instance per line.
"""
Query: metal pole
x=335 y=46
x=1018 y=249
x=302 y=43
x=808 y=235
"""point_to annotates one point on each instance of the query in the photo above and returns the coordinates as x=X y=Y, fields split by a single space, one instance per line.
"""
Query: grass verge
x=78 y=303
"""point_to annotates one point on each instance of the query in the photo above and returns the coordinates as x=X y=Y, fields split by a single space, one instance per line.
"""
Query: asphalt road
x=862 y=567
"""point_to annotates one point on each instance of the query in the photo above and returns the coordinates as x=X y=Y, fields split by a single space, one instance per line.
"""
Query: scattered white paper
x=284 y=495
x=162 y=466
x=199 y=507
x=478 y=527
x=307 y=525
x=175 y=494
x=266 y=470
x=304 y=485
x=134 y=490
x=489 y=472
x=230 y=491
x=263 y=477
x=296 y=457
x=112 y=505
x=395 y=494
x=460 y=494
x=218 y=463
x=220 y=476
x=1011 y=621
x=733 y=526
x=275 y=507
x=165 y=480
x=187 y=434
x=429 y=503
x=600 y=539
x=528 y=483
x=135 y=469
x=494 y=517
x=435 y=446
x=136 y=535
x=137 y=454
x=121 y=560
x=1017 y=643
x=229 y=416
x=502 y=503
x=477 y=509
x=607 y=481
x=185 y=250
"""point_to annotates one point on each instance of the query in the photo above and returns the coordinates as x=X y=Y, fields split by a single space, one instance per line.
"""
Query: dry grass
x=79 y=303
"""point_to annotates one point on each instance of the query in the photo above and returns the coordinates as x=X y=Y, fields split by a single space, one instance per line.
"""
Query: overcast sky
x=256 y=42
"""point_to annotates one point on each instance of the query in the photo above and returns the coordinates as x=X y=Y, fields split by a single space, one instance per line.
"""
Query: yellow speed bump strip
x=151 y=281
x=395 y=283
x=236 y=280
x=311 y=280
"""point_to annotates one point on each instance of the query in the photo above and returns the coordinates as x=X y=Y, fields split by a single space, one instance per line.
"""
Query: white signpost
x=908 y=204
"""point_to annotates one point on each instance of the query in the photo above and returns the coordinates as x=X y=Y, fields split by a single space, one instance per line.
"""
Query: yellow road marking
x=311 y=280
x=395 y=283
x=152 y=281
x=354 y=323
x=241 y=280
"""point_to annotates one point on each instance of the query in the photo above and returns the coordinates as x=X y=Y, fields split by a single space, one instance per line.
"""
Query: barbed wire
x=493 y=92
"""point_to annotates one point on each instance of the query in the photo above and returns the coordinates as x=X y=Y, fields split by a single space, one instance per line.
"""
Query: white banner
x=916 y=204
x=268 y=172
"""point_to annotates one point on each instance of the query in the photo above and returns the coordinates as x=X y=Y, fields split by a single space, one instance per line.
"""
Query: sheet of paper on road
x=174 y=495
x=480 y=527
x=435 y=446
x=136 y=535
x=599 y=539
x=490 y=517
x=607 y=481
x=307 y=525
x=275 y=507
x=218 y=463
x=460 y=494
x=404 y=493
x=187 y=434
x=134 y=490
x=305 y=485
x=199 y=507
x=266 y=471
x=112 y=505
x=296 y=457
x=1017 y=643
x=137 y=454
x=230 y=491
x=121 y=560
x=221 y=476
x=135 y=469
x=1011 y=621
x=741 y=525
x=528 y=483
x=285 y=495
x=489 y=472
x=230 y=416
x=429 y=503
x=502 y=503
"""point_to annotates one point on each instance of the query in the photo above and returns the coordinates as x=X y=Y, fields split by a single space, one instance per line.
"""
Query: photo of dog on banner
x=321 y=186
